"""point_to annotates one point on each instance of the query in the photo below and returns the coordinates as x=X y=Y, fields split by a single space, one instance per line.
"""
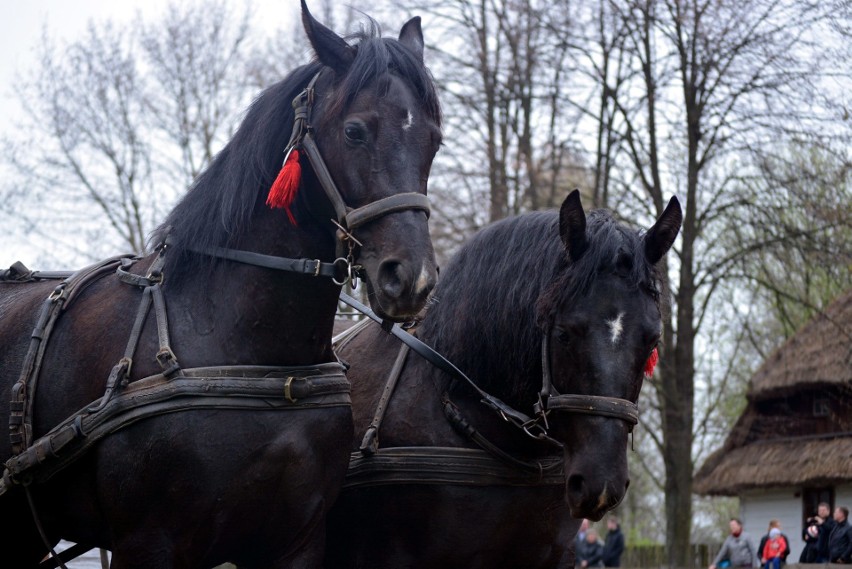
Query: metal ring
x=347 y=268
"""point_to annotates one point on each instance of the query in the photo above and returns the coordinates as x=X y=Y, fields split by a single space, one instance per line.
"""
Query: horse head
x=376 y=122
x=603 y=325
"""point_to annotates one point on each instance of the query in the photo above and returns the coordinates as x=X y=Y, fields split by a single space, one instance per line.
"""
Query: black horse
x=531 y=308
x=121 y=438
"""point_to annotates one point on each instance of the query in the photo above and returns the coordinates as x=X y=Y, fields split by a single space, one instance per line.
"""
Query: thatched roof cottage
x=792 y=446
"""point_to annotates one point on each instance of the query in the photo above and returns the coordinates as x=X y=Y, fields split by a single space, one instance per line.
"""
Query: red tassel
x=283 y=192
x=651 y=363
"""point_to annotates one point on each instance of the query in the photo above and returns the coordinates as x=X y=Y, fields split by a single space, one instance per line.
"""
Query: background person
x=591 y=554
x=737 y=549
x=613 y=544
x=774 y=524
x=773 y=548
x=828 y=523
x=840 y=540
x=580 y=540
x=810 y=535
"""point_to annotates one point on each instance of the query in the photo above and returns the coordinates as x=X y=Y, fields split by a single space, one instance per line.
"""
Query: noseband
x=552 y=400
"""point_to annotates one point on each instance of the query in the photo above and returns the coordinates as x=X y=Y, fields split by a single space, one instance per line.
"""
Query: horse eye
x=355 y=133
x=563 y=336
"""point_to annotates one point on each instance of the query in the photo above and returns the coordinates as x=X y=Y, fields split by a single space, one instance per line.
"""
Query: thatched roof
x=819 y=353
x=779 y=462
x=760 y=451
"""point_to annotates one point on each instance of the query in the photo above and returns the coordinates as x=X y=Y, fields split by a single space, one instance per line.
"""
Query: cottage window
x=821 y=407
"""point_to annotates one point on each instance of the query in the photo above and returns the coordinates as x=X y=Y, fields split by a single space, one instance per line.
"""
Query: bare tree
x=118 y=123
x=195 y=58
x=715 y=80
x=503 y=74
x=85 y=160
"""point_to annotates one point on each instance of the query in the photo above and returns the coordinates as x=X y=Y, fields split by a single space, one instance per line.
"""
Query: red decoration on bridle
x=651 y=363
x=283 y=192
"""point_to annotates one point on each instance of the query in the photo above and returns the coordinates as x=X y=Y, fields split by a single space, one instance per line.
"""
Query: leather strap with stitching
x=226 y=387
x=447 y=465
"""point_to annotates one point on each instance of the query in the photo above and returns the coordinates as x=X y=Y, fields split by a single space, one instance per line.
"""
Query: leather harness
x=174 y=388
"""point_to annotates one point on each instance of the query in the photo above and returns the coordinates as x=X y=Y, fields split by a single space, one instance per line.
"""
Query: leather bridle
x=549 y=399
x=552 y=400
x=343 y=269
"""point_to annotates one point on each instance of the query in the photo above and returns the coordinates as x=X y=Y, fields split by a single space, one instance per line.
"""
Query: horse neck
x=415 y=413
x=265 y=316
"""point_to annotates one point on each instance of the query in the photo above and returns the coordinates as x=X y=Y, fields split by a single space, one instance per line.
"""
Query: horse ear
x=411 y=35
x=331 y=49
x=572 y=226
x=661 y=236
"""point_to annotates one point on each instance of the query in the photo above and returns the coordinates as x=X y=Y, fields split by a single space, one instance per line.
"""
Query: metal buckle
x=527 y=427
x=168 y=361
x=317 y=267
x=288 y=389
x=351 y=272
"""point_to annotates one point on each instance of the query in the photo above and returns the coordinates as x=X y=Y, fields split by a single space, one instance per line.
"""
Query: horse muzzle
x=592 y=498
x=400 y=290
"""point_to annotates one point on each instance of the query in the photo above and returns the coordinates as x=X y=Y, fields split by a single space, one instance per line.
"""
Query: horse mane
x=503 y=287
x=218 y=208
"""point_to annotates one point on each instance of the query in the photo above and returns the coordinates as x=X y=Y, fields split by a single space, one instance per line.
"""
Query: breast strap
x=263 y=388
x=446 y=465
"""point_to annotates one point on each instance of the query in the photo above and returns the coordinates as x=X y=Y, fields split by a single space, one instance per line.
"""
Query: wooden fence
x=654 y=556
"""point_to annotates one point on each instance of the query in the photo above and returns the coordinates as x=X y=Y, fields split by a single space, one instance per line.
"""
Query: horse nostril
x=627 y=485
x=575 y=484
x=392 y=278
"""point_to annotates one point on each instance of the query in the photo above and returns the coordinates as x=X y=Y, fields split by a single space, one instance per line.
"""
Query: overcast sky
x=20 y=31
x=22 y=24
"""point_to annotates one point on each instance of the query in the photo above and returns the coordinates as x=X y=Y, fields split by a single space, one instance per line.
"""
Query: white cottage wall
x=843 y=495
x=782 y=504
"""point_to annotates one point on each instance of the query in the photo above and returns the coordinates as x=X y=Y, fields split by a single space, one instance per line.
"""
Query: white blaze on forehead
x=615 y=327
x=409 y=120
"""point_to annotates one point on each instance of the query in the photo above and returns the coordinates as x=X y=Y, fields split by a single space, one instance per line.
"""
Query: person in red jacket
x=775 y=547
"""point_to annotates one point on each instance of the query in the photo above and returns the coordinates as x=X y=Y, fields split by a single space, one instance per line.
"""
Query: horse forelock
x=609 y=242
x=375 y=58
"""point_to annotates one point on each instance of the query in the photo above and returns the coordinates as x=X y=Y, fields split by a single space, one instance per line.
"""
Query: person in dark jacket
x=840 y=540
x=824 y=513
x=614 y=543
x=590 y=553
x=810 y=535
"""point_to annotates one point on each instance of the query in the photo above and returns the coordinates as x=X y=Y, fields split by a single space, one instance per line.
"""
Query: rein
x=536 y=427
x=506 y=412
